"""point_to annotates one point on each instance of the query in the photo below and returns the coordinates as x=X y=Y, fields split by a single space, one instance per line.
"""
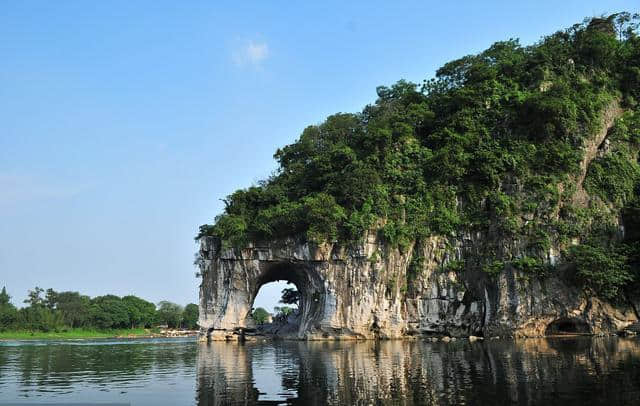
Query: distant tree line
x=48 y=310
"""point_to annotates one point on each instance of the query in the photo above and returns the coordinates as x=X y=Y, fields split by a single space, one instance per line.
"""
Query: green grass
x=77 y=333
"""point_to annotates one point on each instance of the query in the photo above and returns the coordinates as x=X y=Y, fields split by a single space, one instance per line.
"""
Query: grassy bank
x=74 y=334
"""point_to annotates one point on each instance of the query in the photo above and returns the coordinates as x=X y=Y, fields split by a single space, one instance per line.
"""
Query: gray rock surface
x=352 y=293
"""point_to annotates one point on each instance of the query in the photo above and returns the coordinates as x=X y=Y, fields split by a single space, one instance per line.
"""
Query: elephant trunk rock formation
x=374 y=291
x=498 y=199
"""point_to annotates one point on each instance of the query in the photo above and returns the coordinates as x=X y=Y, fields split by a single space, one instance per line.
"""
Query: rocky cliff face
x=362 y=293
x=373 y=290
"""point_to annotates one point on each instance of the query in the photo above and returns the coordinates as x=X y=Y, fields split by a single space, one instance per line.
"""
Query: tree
x=190 y=316
x=50 y=299
x=282 y=311
x=602 y=270
x=141 y=312
x=109 y=312
x=8 y=316
x=74 y=307
x=8 y=312
x=5 y=299
x=33 y=297
x=260 y=315
x=290 y=296
x=39 y=318
x=169 y=313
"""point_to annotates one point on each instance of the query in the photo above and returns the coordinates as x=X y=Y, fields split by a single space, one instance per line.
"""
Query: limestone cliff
x=347 y=295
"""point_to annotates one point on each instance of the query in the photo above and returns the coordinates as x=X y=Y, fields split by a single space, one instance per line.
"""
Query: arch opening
x=272 y=296
x=568 y=326
x=275 y=307
x=297 y=302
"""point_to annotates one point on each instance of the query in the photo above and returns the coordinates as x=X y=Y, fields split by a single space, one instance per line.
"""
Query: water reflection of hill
x=533 y=371
x=559 y=371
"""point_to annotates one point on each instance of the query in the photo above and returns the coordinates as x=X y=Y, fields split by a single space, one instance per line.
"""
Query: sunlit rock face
x=343 y=292
x=369 y=291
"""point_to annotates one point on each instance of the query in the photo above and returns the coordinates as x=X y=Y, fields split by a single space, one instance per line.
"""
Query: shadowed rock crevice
x=568 y=326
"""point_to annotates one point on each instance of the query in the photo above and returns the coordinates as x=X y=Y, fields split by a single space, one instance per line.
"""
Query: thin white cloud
x=251 y=53
x=17 y=188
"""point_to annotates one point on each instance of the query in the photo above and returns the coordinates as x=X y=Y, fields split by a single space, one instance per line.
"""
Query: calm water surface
x=576 y=371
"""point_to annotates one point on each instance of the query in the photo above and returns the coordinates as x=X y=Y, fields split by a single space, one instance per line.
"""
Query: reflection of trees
x=69 y=365
x=543 y=371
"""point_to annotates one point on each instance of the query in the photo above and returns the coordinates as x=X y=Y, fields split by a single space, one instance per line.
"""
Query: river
x=548 y=371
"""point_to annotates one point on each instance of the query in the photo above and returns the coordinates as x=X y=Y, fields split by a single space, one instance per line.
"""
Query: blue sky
x=123 y=124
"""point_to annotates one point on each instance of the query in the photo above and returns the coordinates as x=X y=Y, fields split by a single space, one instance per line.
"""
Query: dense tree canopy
x=510 y=113
x=260 y=315
x=62 y=310
x=109 y=312
x=170 y=314
x=493 y=142
x=190 y=316
x=5 y=298
x=75 y=308
x=8 y=312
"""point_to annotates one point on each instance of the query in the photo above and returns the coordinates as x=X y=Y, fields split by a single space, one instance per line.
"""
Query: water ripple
x=555 y=371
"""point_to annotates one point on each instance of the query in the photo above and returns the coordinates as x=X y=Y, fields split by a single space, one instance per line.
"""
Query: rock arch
x=306 y=280
x=367 y=291
x=232 y=279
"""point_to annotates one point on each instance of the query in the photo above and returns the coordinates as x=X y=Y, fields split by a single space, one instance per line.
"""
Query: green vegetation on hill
x=72 y=315
x=493 y=144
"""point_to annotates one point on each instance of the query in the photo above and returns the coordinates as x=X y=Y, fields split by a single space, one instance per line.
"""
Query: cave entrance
x=568 y=326
x=291 y=295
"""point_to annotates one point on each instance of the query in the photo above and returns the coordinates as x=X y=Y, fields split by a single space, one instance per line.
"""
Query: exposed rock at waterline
x=347 y=295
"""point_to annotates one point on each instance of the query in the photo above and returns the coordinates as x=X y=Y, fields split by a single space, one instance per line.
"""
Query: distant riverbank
x=89 y=334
